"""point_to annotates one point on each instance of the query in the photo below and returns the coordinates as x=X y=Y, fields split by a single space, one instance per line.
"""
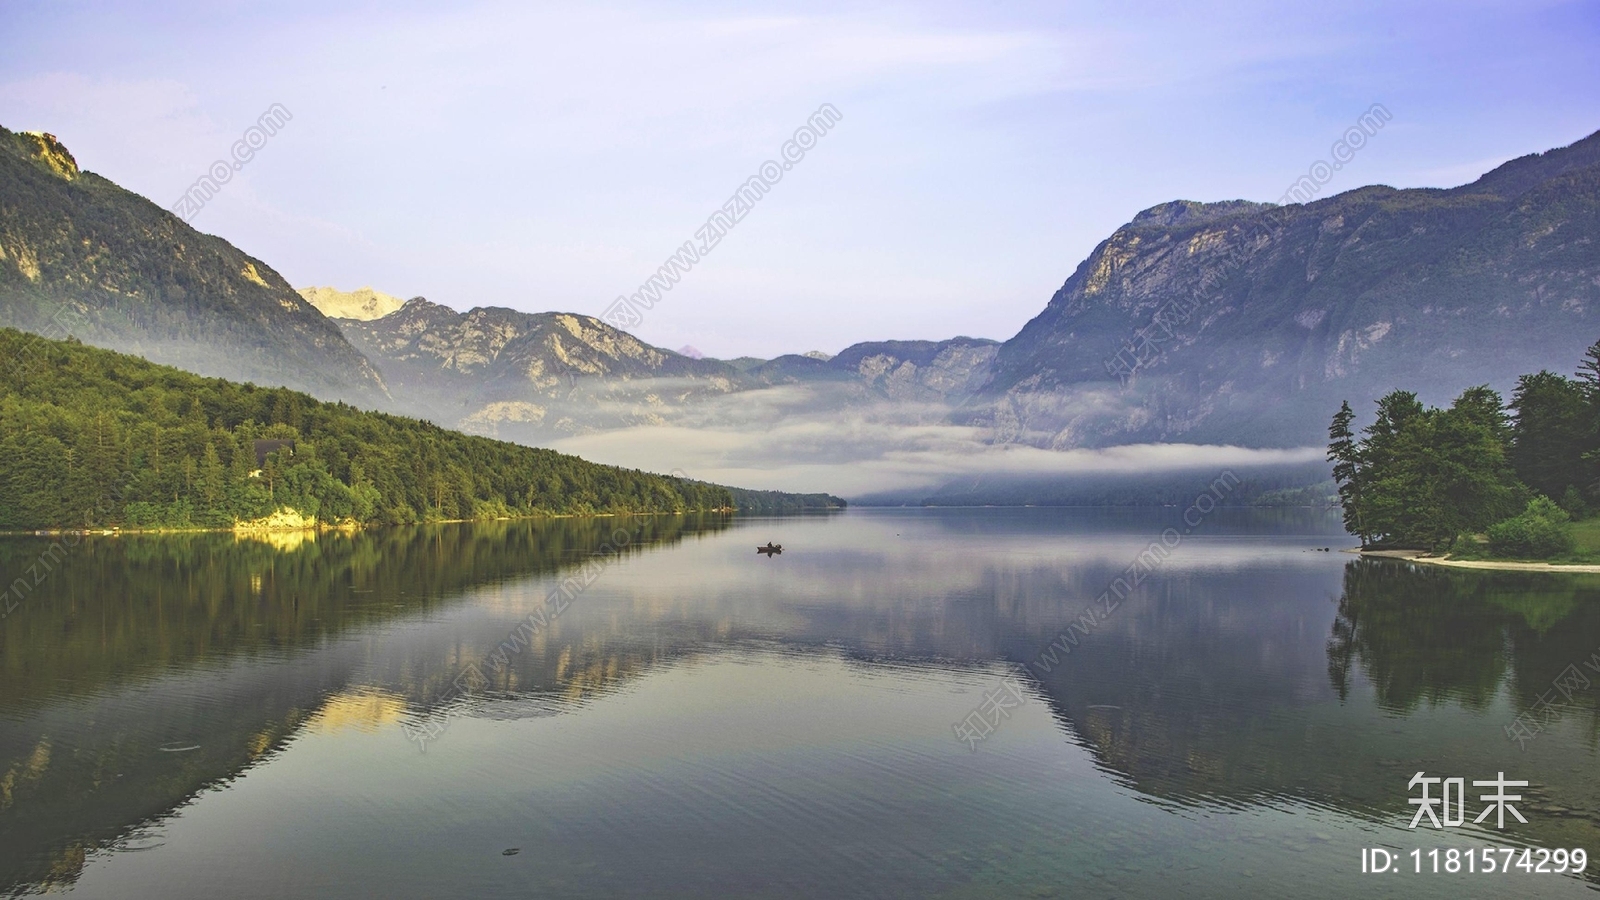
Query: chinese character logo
x=1500 y=801
x=996 y=706
x=1425 y=804
x=1449 y=808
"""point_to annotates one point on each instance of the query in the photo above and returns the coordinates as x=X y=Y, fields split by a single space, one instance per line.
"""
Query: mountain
x=1234 y=322
x=537 y=376
x=81 y=256
x=947 y=371
x=361 y=303
x=1258 y=319
x=924 y=371
x=794 y=368
x=530 y=374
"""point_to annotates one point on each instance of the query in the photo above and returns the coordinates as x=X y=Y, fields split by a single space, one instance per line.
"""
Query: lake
x=894 y=706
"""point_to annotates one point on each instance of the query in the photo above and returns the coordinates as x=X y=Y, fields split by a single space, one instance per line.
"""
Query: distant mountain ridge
x=500 y=371
x=80 y=255
x=533 y=374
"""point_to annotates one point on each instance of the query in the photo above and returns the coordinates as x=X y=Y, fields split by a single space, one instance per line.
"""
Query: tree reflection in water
x=1431 y=634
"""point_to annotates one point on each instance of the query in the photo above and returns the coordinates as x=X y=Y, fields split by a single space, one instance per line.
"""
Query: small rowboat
x=770 y=548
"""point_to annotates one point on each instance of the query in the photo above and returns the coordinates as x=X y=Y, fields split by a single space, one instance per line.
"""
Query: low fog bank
x=1249 y=483
x=903 y=454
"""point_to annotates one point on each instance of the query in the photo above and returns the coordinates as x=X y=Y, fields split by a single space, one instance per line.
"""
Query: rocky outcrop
x=281 y=519
x=362 y=304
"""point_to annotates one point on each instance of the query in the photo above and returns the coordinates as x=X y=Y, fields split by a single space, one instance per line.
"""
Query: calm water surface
x=200 y=716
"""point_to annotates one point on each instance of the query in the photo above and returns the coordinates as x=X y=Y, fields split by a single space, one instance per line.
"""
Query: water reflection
x=1251 y=672
x=148 y=668
x=1435 y=635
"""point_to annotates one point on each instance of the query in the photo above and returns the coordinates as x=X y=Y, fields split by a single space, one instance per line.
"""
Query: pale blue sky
x=551 y=157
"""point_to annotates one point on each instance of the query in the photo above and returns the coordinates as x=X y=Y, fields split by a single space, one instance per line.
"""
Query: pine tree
x=212 y=481
x=1589 y=373
x=1474 y=480
x=1344 y=455
x=1555 y=427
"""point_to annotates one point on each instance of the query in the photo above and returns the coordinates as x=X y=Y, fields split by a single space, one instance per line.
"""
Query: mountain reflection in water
x=151 y=677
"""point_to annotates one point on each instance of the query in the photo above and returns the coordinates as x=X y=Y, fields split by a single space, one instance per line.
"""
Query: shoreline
x=1424 y=556
x=324 y=527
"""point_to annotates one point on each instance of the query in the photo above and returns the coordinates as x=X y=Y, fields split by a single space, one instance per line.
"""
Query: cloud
x=802 y=438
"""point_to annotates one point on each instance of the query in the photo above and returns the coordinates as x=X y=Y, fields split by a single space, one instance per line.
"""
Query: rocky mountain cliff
x=81 y=256
x=1247 y=323
x=362 y=303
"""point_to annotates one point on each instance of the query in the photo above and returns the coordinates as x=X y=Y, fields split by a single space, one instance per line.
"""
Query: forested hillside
x=92 y=437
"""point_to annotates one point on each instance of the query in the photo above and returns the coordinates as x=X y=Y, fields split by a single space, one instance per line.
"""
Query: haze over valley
x=1197 y=336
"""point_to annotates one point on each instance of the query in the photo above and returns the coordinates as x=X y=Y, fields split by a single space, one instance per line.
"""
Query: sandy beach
x=1423 y=556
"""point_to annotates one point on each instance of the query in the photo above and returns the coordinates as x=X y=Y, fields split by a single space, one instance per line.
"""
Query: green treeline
x=89 y=437
x=1518 y=473
x=779 y=502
